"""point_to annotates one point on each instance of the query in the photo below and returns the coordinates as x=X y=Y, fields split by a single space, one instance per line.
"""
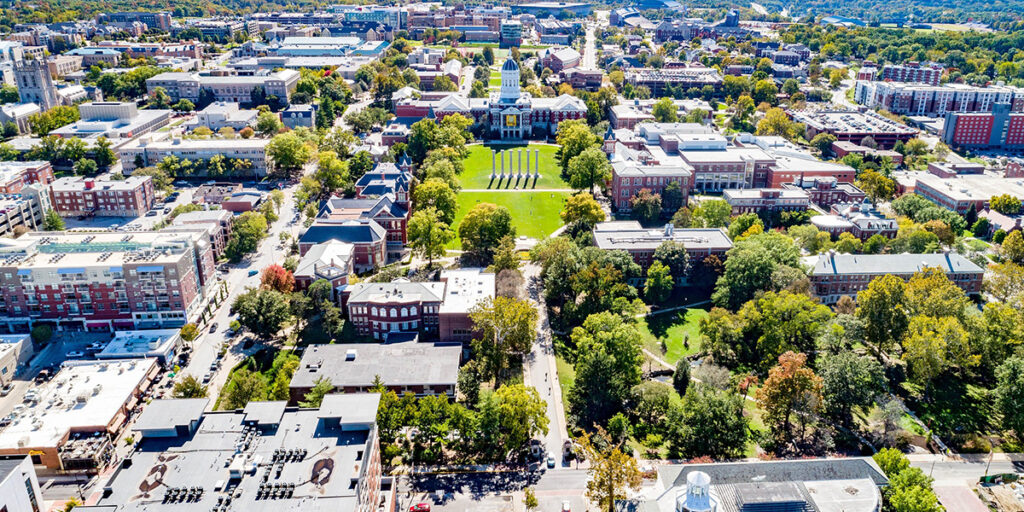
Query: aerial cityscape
x=529 y=256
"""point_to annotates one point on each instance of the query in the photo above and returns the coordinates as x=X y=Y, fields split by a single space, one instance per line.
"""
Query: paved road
x=541 y=372
x=590 y=52
x=494 y=491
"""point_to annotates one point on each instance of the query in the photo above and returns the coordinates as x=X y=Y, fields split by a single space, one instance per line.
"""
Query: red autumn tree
x=278 y=278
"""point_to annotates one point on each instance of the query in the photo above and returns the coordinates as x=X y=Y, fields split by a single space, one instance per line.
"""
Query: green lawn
x=495 y=82
x=534 y=214
x=478 y=166
x=673 y=328
x=566 y=377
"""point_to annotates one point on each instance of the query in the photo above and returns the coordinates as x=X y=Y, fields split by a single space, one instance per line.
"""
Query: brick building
x=14 y=176
x=641 y=242
x=131 y=197
x=835 y=275
x=766 y=200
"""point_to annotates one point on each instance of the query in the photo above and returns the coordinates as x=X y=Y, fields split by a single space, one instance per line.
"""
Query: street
x=590 y=52
x=541 y=371
x=494 y=491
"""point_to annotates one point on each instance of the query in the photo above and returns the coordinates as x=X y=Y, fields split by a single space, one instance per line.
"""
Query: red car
x=420 y=507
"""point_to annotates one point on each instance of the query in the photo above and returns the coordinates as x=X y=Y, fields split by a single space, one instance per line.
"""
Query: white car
x=76 y=353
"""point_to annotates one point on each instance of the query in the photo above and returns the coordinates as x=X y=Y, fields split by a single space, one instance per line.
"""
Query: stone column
x=536 y=163
x=519 y=163
x=502 y=164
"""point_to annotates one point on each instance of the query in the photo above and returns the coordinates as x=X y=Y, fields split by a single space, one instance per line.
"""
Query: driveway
x=959 y=498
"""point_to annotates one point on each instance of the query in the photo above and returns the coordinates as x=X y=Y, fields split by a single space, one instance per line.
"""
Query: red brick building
x=369 y=240
x=836 y=275
x=130 y=197
x=14 y=176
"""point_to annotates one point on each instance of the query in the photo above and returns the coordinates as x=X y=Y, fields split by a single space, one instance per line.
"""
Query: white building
x=15 y=351
x=153 y=150
x=19 y=488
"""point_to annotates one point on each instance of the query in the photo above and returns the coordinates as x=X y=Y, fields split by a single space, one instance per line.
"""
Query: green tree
x=507 y=329
x=506 y=257
x=52 y=221
x=9 y=94
x=435 y=193
x=321 y=387
x=582 y=210
x=708 y=423
x=482 y=229
x=664 y=111
x=646 y=206
x=1010 y=394
x=776 y=122
x=589 y=169
x=849 y=380
x=189 y=332
x=882 y=308
x=713 y=213
x=1012 y=247
x=607 y=367
x=658 y=287
x=574 y=137
x=891 y=461
x=189 y=387
x=742 y=223
x=749 y=266
x=428 y=234
x=934 y=345
x=876 y=186
x=512 y=416
x=264 y=312
x=103 y=154
x=681 y=377
x=85 y=167
x=289 y=151
x=246 y=232
x=674 y=255
x=243 y=387
x=184 y=105
x=268 y=124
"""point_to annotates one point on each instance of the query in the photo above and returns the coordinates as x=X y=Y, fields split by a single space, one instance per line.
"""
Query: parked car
x=566 y=507
x=420 y=507
x=167 y=209
x=152 y=213
x=76 y=353
x=6 y=390
x=213 y=328
x=207 y=377
x=42 y=376
x=551 y=461
x=253 y=272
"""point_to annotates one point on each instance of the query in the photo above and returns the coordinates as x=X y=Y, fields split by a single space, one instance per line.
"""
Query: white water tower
x=697 y=496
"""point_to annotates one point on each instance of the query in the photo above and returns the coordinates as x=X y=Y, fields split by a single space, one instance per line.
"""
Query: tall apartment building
x=998 y=129
x=151 y=150
x=913 y=72
x=153 y=20
x=74 y=195
x=104 y=280
x=231 y=88
x=34 y=83
x=835 y=275
x=935 y=101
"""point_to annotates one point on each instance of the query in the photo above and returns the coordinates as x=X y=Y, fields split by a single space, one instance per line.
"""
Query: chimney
x=669 y=229
x=350 y=355
x=90 y=183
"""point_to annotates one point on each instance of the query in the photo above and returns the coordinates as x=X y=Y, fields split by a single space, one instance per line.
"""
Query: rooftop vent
x=350 y=354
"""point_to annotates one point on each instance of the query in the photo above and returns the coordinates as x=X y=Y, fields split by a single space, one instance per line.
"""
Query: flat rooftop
x=465 y=288
x=139 y=343
x=971 y=187
x=71 y=252
x=850 y=122
x=84 y=395
x=78 y=184
x=870 y=264
x=404 y=363
x=630 y=235
x=316 y=460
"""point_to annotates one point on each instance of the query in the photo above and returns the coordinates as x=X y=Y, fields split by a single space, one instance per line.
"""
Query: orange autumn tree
x=791 y=387
x=276 y=277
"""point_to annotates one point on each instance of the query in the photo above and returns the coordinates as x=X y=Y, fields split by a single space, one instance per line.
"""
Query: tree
x=268 y=124
x=681 y=377
x=289 y=151
x=574 y=137
x=529 y=499
x=582 y=210
x=713 y=213
x=708 y=423
x=749 y=266
x=1012 y=247
x=246 y=232
x=673 y=254
x=1010 y=394
x=790 y=387
x=612 y=473
x=607 y=367
x=1005 y=281
x=52 y=221
x=435 y=193
x=1005 y=204
x=511 y=416
x=589 y=169
x=103 y=154
x=9 y=94
x=891 y=461
x=646 y=206
x=934 y=345
x=41 y=334
x=189 y=332
x=876 y=186
x=776 y=122
x=507 y=329
x=823 y=143
x=264 y=312
x=882 y=309
x=321 y=387
x=849 y=380
x=664 y=111
x=276 y=277
x=243 y=387
x=184 y=105
x=506 y=257
x=482 y=229
x=428 y=234
x=189 y=387
x=658 y=287
x=742 y=223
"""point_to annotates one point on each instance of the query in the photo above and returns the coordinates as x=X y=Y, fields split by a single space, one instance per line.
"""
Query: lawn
x=674 y=329
x=566 y=377
x=478 y=166
x=534 y=214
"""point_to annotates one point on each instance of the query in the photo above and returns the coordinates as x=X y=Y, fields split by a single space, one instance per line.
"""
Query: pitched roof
x=353 y=231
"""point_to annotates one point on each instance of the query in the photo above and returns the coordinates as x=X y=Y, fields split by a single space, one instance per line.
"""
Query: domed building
x=509 y=114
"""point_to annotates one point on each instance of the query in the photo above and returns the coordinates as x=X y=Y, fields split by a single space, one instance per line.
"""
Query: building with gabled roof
x=331 y=261
x=368 y=238
x=835 y=275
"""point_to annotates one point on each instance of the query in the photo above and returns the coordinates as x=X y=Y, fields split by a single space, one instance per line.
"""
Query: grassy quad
x=534 y=214
x=478 y=167
x=674 y=328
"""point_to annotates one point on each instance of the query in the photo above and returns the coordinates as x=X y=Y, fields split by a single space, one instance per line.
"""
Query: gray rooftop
x=8 y=464
x=264 y=413
x=950 y=263
x=397 y=364
x=631 y=236
x=167 y=414
x=227 y=457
